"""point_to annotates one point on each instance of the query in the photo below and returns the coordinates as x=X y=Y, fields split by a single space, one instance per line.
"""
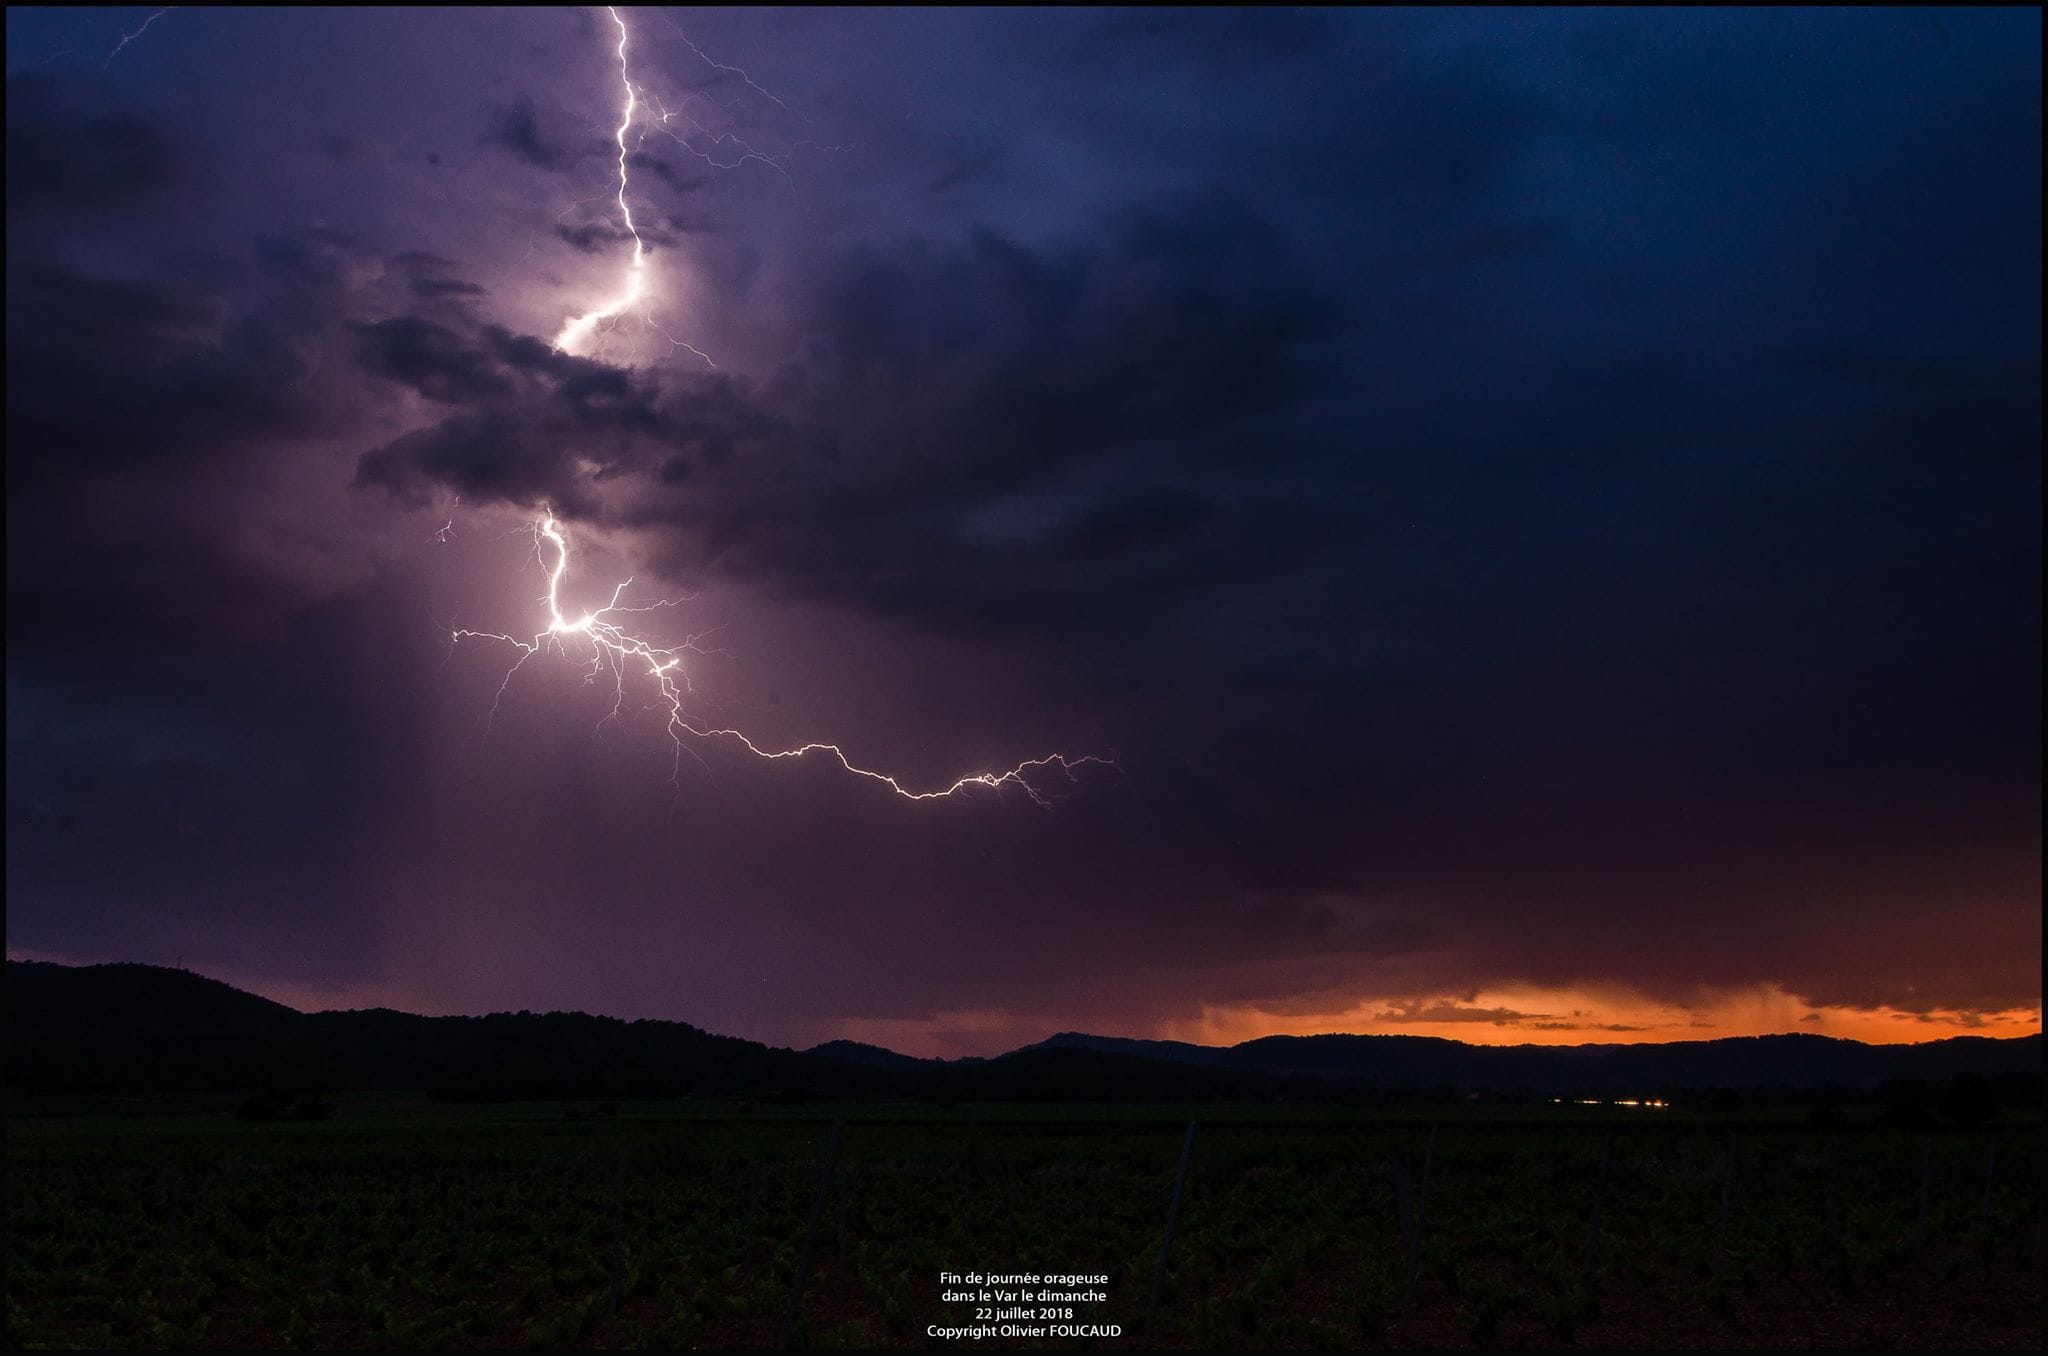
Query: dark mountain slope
x=138 y=1028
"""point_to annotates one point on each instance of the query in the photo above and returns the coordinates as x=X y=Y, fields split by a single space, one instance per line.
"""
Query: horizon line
x=21 y=957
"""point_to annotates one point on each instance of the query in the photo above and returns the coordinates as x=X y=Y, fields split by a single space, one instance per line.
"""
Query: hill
x=139 y=1028
x=874 y=1056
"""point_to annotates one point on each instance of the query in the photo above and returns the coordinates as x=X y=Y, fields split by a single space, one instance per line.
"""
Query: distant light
x=1623 y=1101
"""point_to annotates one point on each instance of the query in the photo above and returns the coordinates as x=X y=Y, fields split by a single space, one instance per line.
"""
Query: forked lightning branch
x=615 y=645
x=628 y=655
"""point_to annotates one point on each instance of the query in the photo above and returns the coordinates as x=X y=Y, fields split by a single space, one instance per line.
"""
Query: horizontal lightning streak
x=612 y=647
x=666 y=115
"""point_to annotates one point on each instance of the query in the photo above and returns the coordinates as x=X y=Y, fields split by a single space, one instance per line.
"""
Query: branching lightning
x=746 y=152
x=616 y=649
x=614 y=643
x=706 y=58
x=447 y=529
x=644 y=112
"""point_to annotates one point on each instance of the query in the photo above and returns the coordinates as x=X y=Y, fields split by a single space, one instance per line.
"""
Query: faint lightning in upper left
x=127 y=38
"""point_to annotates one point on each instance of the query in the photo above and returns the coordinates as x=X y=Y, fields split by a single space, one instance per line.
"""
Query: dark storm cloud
x=973 y=167
x=538 y=421
x=516 y=128
x=594 y=237
x=433 y=360
x=145 y=409
x=168 y=793
x=136 y=372
x=342 y=150
x=1419 y=1011
x=166 y=790
x=63 y=153
x=1505 y=242
x=606 y=238
x=1224 y=39
x=678 y=182
x=432 y=288
x=212 y=819
x=1621 y=1027
x=126 y=371
x=1543 y=502
x=942 y=387
x=1401 y=130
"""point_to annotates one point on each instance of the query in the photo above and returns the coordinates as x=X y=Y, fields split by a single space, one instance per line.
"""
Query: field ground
x=437 y=1226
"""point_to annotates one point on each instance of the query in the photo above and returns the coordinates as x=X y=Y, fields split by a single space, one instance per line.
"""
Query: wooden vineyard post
x=1422 y=1191
x=170 y=1241
x=334 y=1226
x=1834 y=1202
x=468 y=1222
x=1990 y=1174
x=1727 y=1208
x=1404 y=1216
x=1593 y=1225
x=1926 y=1180
x=842 y=1208
x=803 y=1261
x=753 y=1213
x=618 y=1230
x=1172 y=1214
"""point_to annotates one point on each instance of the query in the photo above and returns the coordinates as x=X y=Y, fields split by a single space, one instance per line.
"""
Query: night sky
x=1542 y=510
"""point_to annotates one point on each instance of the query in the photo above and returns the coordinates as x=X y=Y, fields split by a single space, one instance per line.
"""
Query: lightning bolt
x=746 y=152
x=447 y=529
x=609 y=636
x=127 y=38
x=723 y=151
x=614 y=648
x=705 y=57
x=578 y=328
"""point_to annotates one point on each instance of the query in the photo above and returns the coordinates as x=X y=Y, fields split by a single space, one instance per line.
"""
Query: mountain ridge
x=139 y=1026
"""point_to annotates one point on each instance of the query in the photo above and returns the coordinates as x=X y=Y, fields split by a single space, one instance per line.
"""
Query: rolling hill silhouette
x=140 y=1028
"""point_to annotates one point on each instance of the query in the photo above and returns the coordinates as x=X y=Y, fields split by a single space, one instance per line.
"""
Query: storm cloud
x=1539 y=511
